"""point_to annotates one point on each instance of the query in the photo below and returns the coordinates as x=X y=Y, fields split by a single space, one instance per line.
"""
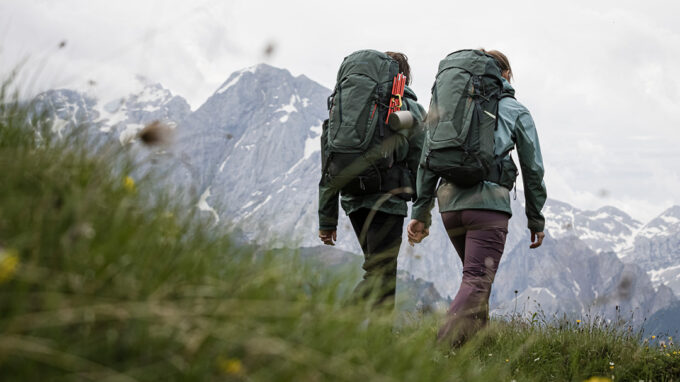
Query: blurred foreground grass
x=100 y=281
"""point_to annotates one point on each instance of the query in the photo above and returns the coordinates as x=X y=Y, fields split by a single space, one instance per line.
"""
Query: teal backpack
x=357 y=149
x=462 y=119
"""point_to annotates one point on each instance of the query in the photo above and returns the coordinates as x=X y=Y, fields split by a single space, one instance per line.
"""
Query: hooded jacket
x=516 y=129
x=408 y=150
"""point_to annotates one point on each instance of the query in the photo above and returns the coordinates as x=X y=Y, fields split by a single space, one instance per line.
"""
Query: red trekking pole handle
x=398 y=85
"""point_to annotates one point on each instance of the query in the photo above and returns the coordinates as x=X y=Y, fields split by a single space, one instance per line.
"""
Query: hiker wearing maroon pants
x=476 y=217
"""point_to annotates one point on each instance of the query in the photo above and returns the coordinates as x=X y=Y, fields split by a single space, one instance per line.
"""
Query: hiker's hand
x=536 y=239
x=328 y=237
x=416 y=232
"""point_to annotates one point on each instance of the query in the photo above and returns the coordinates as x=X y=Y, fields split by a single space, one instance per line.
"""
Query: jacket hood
x=507 y=88
x=409 y=93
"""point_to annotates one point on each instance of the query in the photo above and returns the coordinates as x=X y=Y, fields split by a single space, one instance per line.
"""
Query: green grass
x=100 y=281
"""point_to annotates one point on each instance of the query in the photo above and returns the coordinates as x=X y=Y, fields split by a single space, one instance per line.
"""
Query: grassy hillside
x=103 y=279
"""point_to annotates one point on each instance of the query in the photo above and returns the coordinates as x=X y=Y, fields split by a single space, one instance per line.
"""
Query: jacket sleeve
x=328 y=207
x=416 y=136
x=426 y=185
x=531 y=163
x=328 y=197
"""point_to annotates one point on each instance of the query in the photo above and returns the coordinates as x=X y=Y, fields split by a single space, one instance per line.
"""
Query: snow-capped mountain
x=658 y=242
x=120 y=119
x=249 y=157
x=606 y=229
x=253 y=148
x=567 y=276
x=67 y=110
x=657 y=249
x=654 y=247
x=126 y=116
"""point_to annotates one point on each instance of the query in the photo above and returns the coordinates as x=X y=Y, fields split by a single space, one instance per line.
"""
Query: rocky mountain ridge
x=249 y=157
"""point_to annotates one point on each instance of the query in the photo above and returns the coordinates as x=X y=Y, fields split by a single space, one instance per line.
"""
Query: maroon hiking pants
x=479 y=238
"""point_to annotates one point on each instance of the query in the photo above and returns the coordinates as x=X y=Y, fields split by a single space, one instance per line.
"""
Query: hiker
x=371 y=168
x=474 y=202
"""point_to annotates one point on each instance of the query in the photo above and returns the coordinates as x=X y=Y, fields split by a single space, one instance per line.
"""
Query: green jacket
x=516 y=129
x=408 y=149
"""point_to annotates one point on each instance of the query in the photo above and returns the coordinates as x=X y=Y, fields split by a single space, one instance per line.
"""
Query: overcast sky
x=600 y=78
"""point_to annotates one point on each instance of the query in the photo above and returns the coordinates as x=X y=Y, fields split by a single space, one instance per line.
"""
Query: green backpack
x=356 y=147
x=462 y=119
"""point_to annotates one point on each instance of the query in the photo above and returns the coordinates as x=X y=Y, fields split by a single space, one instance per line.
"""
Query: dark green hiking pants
x=380 y=238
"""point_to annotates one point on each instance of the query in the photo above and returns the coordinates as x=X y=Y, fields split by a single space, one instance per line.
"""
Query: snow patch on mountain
x=665 y=224
x=111 y=114
x=669 y=277
x=153 y=95
x=658 y=275
x=289 y=108
x=235 y=78
x=313 y=142
x=539 y=291
x=670 y=219
x=266 y=200
x=204 y=206
x=129 y=133
x=59 y=125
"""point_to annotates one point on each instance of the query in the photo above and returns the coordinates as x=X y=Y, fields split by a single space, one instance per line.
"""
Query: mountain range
x=249 y=158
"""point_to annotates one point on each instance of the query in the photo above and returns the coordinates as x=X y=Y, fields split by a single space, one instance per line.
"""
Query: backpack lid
x=474 y=61
x=368 y=62
x=359 y=101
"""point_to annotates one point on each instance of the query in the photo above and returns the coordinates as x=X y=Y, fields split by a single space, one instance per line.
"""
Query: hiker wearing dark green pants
x=376 y=208
x=476 y=216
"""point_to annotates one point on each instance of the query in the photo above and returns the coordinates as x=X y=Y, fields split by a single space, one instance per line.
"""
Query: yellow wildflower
x=653 y=337
x=507 y=360
x=129 y=184
x=598 y=379
x=9 y=260
x=578 y=321
x=611 y=367
x=231 y=366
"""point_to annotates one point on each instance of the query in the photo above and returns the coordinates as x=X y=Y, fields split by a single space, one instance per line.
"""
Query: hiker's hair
x=404 y=67
x=501 y=59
